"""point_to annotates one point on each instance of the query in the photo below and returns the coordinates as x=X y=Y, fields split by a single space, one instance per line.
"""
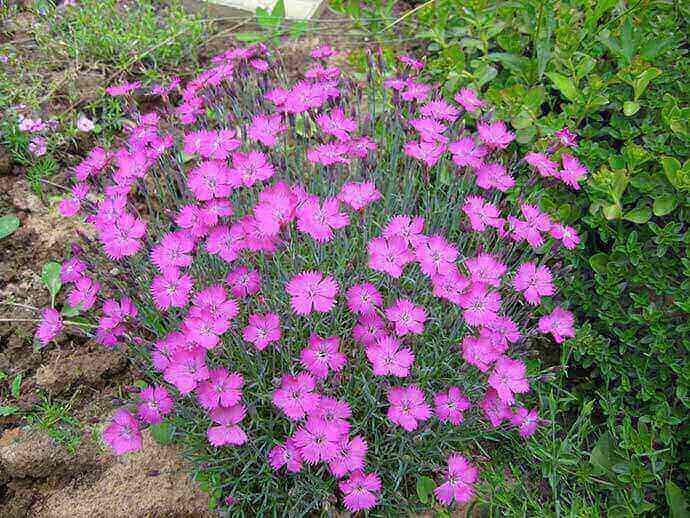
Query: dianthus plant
x=333 y=284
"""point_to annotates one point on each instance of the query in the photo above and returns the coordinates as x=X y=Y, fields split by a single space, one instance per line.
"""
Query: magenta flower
x=226 y=241
x=122 y=434
x=210 y=180
x=360 y=491
x=479 y=351
x=480 y=306
x=508 y=378
x=486 y=269
x=466 y=152
x=389 y=255
x=322 y=355
x=155 y=404
x=407 y=317
x=388 y=357
x=332 y=410
x=559 y=323
x=408 y=407
x=369 y=329
x=526 y=420
x=415 y=91
x=72 y=270
x=317 y=440
x=534 y=282
x=287 y=455
x=359 y=194
x=450 y=286
x=430 y=130
x=337 y=124
x=276 y=208
x=427 y=152
x=566 y=137
x=572 y=172
x=468 y=99
x=542 y=164
x=312 y=291
x=243 y=282
x=360 y=147
x=171 y=289
x=531 y=229
x=265 y=129
x=567 y=235
x=187 y=369
x=222 y=388
x=460 y=479
x=122 y=238
x=349 y=456
x=50 y=326
x=250 y=168
x=173 y=251
x=494 y=176
x=436 y=256
x=441 y=110
x=482 y=214
x=227 y=430
x=495 y=409
x=363 y=298
x=495 y=134
x=318 y=220
x=450 y=406
x=296 y=396
x=83 y=293
x=262 y=330
x=329 y=154
x=405 y=227
x=122 y=89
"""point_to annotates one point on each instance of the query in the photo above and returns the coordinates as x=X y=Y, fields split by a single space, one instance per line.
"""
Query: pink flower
x=85 y=124
x=171 y=289
x=460 y=479
x=155 y=404
x=317 y=440
x=430 y=130
x=405 y=227
x=566 y=137
x=276 y=208
x=227 y=431
x=495 y=409
x=531 y=229
x=466 y=152
x=249 y=168
x=265 y=128
x=480 y=306
x=210 y=180
x=542 y=164
x=468 y=99
x=286 y=455
x=427 y=152
x=389 y=255
x=369 y=329
x=329 y=154
x=349 y=456
x=482 y=214
x=318 y=220
x=360 y=491
x=439 y=109
x=222 y=388
x=83 y=293
x=186 y=369
x=407 y=317
x=123 y=434
x=122 y=238
x=296 y=396
x=436 y=256
x=360 y=147
x=173 y=251
x=495 y=134
x=411 y=62
x=567 y=235
x=72 y=270
x=486 y=269
x=262 y=330
x=122 y=89
x=508 y=378
x=322 y=355
x=415 y=91
x=450 y=286
x=479 y=351
x=359 y=194
x=450 y=406
x=388 y=357
x=494 y=176
x=335 y=123
x=534 y=282
x=572 y=172
x=363 y=298
x=312 y=291
x=559 y=323
x=408 y=407
x=50 y=326
x=526 y=420
x=322 y=52
x=243 y=282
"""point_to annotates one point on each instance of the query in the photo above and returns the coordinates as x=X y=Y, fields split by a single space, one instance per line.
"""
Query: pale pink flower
x=312 y=291
x=407 y=317
x=85 y=124
x=122 y=434
x=323 y=355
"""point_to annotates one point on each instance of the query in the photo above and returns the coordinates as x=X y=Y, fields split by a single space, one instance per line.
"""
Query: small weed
x=57 y=420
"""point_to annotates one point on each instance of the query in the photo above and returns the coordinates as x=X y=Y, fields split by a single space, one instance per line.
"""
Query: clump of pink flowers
x=305 y=278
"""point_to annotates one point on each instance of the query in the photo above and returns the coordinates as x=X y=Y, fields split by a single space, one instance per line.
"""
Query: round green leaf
x=8 y=224
x=630 y=108
x=639 y=215
x=598 y=262
x=425 y=488
x=664 y=204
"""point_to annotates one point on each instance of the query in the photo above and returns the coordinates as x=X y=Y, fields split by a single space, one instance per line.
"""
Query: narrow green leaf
x=8 y=410
x=16 y=386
